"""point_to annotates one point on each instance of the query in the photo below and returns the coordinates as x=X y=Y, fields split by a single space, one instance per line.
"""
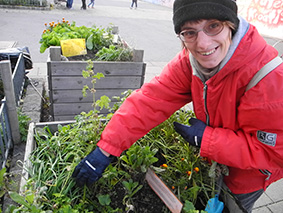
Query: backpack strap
x=264 y=71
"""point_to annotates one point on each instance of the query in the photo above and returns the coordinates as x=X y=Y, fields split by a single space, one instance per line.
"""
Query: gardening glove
x=90 y=169
x=193 y=134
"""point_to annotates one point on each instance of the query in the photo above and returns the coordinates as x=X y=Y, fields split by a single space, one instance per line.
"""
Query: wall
x=266 y=15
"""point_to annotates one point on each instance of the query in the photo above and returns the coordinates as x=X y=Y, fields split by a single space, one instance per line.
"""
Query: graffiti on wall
x=266 y=15
x=266 y=11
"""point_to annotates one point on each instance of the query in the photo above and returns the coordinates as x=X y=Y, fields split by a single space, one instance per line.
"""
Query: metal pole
x=6 y=75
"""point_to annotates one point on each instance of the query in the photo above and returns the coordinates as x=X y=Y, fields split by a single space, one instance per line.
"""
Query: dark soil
x=144 y=201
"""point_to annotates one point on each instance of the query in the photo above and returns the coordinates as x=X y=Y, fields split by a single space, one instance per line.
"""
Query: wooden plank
x=165 y=194
x=75 y=96
x=124 y=82
x=73 y=109
x=64 y=117
x=109 y=68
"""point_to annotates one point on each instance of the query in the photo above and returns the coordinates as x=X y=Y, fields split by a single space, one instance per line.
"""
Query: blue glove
x=90 y=169
x=193 y=134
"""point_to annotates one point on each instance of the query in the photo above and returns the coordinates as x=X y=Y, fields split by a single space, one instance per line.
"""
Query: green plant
x=139 y=158
x=104 y=101
x=3 y=188
x=190 y=208
x=114 y=53
x=132 y=188
x=96 y=38
x=23 y=124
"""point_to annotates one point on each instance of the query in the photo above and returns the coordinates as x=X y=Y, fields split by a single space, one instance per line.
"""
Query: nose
x=203 y=41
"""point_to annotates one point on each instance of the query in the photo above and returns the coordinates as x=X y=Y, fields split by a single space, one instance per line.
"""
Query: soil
x=145 y=201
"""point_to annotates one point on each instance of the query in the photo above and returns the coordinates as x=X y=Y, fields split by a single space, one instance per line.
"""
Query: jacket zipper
x=205 y=103
x=266 y=172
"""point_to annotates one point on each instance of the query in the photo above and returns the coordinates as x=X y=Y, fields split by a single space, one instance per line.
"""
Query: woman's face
x=209 y=51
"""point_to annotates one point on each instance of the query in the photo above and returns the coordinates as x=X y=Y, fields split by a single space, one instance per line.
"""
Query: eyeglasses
x=211 y=28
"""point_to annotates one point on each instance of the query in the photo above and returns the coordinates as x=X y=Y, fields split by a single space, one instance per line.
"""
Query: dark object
x=83 y=5
x=90 y=169
x=12 y=54
x=193 y=134
x=192 y=10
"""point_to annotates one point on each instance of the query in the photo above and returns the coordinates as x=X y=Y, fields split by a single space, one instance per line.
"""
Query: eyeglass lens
x=211 y=28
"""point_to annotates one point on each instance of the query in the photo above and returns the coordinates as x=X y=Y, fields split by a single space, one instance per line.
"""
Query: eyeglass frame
x=182 y=38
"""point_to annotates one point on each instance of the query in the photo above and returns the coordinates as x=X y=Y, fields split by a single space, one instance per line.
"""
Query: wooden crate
x=65 y=82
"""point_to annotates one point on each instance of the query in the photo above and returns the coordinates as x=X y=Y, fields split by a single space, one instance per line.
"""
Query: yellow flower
x=196 y=169
x=164 y=165
x=173 y=187
x=189 y=173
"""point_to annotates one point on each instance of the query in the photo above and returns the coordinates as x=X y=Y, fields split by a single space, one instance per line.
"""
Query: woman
x=243 y=130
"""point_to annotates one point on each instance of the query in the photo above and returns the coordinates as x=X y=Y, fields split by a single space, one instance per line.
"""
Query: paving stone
x=263 y=201
x=262 y=210
x=276 y=207
x=275 y=191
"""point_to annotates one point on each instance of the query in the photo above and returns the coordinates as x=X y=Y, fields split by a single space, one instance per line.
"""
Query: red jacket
x=235 y=117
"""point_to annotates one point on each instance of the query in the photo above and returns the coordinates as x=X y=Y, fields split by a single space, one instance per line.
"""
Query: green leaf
x=189 y=206
x=43 y=47
x=85 y=74
x=98 y=75
x=19 y=199
x=2 y=172
x=89 y=42
x=103 y=102
x=104 y=200
x=30 y=198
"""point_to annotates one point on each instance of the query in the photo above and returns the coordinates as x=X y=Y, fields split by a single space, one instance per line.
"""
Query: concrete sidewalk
x=149 y=28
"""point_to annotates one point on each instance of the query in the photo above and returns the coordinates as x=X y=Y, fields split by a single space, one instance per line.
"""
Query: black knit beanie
x=192 y=10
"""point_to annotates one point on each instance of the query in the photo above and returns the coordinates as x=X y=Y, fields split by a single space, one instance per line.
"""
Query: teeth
x=208 y=53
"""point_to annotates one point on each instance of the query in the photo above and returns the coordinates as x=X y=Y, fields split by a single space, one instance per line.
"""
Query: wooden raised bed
x=65 y=82
x=157 y=185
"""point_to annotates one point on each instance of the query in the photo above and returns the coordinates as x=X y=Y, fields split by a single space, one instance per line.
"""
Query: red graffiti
x=266 y=11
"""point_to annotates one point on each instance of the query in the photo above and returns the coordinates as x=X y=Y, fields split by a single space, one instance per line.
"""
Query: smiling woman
x=207 y=40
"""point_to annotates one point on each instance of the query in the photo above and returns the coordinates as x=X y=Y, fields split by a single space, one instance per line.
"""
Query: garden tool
x=214 y=205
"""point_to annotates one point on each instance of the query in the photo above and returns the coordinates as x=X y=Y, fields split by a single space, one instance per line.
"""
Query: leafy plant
x=23 y=124
x=114 y=53
x=139 y=158
x=132 y=188
x=96 y=38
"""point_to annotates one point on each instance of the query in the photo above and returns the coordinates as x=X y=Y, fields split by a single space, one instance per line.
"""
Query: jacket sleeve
x=149 y=106
x=258 y=142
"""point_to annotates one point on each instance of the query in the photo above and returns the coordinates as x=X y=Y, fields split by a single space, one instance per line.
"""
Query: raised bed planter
x=65 y=82
x=157 y=185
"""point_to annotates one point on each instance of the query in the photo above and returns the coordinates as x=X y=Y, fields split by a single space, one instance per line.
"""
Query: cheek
x=188 y=46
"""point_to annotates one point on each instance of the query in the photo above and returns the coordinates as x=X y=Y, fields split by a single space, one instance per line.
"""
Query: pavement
x=149 y=27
